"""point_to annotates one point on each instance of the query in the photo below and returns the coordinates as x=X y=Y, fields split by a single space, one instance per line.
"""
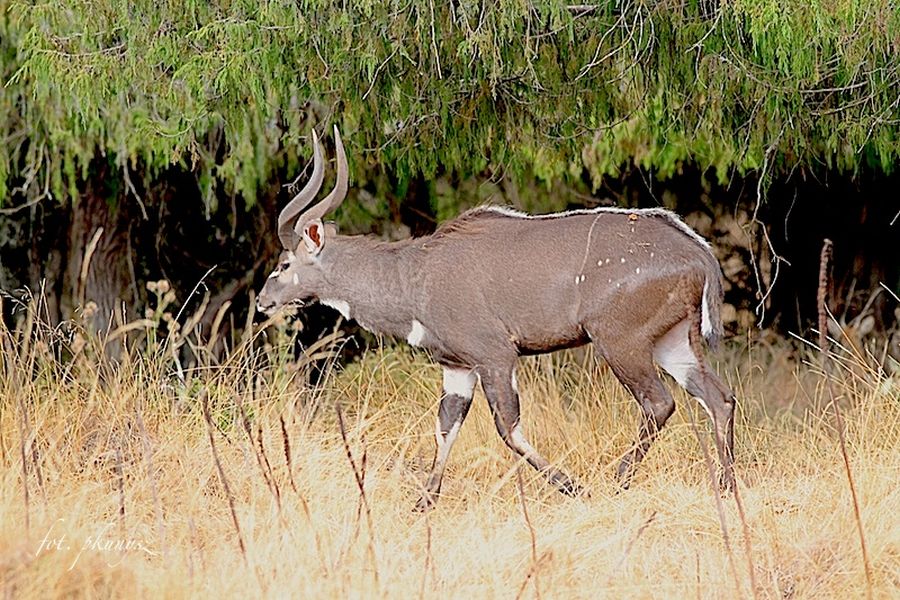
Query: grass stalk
x=822 y=304
x=532 y=573
x=222 y=478
x=720 y=507
x=359 y=475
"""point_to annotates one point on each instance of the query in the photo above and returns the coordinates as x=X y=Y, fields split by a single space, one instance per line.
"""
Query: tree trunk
x=98 y=287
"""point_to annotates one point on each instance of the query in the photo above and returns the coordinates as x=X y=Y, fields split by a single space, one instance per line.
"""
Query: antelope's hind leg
x=456 y=398
x=680 y=353
x=639 y=376
x=499 y=386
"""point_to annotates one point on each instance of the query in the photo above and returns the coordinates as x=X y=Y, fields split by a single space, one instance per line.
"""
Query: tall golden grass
x=248 y=476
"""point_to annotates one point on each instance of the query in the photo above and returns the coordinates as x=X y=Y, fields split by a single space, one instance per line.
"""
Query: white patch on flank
x=661 y=213
x=652 y=254
x=576 y=279
x=638 y=271
x=296 y=279
x=607 y=261
x=706 y=324
x=460 y=382
x=623 y=260
x=672 y=352
x=416 y=334
x=520 y=442
x=338 y=305
x=600 y=263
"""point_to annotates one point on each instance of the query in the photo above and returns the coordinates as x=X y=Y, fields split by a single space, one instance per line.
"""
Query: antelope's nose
x=263 y=306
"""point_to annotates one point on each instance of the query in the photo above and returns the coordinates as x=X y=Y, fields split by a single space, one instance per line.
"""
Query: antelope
x=494 y=284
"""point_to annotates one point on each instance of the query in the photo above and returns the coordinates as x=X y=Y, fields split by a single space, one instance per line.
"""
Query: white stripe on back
x=668 y=215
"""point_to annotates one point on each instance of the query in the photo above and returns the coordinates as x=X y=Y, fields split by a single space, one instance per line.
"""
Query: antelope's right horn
x=337 y=195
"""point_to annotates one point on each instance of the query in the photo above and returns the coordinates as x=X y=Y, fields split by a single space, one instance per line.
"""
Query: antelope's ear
x=314 y=236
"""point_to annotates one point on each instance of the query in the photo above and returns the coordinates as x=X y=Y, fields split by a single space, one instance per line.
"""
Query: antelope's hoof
x=577 y=491
x=726 y=484
x=425 y=503
x=624 y=480
x=572 y=489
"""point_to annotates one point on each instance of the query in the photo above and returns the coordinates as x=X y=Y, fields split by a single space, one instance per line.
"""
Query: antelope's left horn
x=292 y=210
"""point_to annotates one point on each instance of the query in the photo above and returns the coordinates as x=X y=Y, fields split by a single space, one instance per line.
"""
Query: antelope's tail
x=711 y=308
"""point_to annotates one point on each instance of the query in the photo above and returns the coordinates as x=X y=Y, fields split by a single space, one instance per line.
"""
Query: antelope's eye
x=284 y=266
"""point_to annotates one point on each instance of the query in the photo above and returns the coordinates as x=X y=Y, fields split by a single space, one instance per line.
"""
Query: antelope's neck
x=369 y=280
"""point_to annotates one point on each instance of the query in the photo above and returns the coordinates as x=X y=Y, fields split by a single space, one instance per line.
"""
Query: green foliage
x=230 y=88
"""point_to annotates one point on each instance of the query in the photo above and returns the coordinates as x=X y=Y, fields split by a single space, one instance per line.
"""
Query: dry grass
x=113 y=454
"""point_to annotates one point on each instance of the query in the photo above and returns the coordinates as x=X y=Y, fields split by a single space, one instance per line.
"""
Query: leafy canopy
x=229 y=88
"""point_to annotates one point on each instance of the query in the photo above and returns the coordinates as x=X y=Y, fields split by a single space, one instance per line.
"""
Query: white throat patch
x=338 y=305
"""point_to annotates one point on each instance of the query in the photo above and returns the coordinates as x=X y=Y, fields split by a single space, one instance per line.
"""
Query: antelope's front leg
x=456 y=398
x=499 y=385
